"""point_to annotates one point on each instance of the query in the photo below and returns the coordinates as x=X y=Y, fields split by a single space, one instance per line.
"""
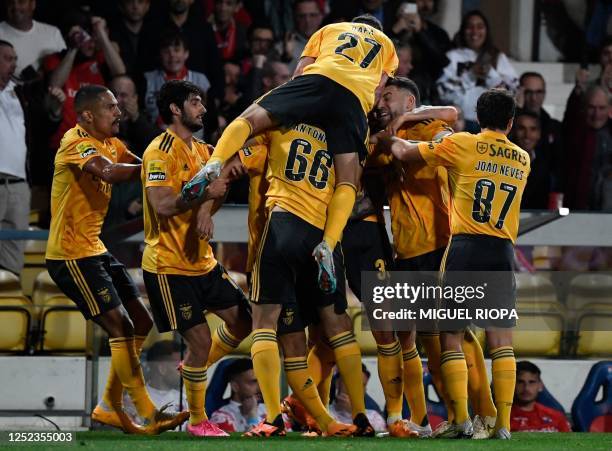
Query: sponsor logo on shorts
x=289 y=316
x=186 y=311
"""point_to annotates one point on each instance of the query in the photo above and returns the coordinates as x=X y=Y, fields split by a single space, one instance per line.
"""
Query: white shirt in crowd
x=12 y=133
x=32 y=45
x=230 y=418
x=458 y=84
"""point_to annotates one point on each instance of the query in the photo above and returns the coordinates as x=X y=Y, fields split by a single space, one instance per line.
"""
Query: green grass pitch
x=115 y=441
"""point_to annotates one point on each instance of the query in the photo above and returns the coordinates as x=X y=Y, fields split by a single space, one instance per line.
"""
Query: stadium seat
x=546 y=398
x=9 y=284
x=538 y=333
x=63 y=328
x=588 y=413
x=534 y=291
x=34 y=263
x=594 y=333
x=44 y=288
x=15 y=321
x=216 y=387
x=364 y=337
x=588 y=289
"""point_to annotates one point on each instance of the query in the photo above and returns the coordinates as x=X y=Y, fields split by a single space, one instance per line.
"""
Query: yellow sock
x=431 y=343
x=266 y=364
x=321 y=361
x=348 y=359
x=504 y=379
x=223 y=343
x=232 y=140
x=389 y=358
x=113 y=393
x=478 y=381
x=454 y=375
x=194 y=379
x=303 y=386
x=126 y=364
x=413 y=386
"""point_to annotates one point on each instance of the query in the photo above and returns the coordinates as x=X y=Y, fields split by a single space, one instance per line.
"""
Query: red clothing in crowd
x=83 y=73
x=540 y=419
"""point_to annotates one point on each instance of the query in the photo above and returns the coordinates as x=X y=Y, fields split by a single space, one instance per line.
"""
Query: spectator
x=588 y=133
x=527 y=414
x=475 y=66
x=429 y=44
x=91 y=59
x=132 y=34
x=272 y=75
x=340 y=407
x=605 y=74
x=161 y=376
x=549 y=149
x=174 y=54
x=199 y=38
x=32 y=40
x=14 y=189
x=244 y=409
x=307 y=16
x=230 y=35
x=261 y=47
x=404 y=54
x=278 y=13
x=234 y=102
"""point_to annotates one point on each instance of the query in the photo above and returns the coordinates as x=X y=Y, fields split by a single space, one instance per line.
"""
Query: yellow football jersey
x=418 y=197
x=79 y=200
x=354 y=55
x=255 y=159
x=172 y=244
x=300 y=172
x=487 y=175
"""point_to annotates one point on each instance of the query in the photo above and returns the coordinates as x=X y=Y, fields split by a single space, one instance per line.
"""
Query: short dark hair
x=407 y=85
x=527 y=366
x=530 y=114
x=87 y=96
x=299 y=2
x=5 y=43
x=495 y=108
x=526 y=75
x=236 y=368
x=172 y=39
x=368 y=19
x=177 y=92
x=161 y=350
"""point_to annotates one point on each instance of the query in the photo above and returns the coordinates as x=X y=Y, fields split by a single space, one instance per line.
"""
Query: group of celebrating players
x=304 y=146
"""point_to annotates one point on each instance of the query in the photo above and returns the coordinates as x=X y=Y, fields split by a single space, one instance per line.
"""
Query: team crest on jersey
x=104 y=294
x=85 y=149
x=247 y=151
x=186 y=312
x=289 y=316
x=156 y=171
x=186 y=167
x=482 y=147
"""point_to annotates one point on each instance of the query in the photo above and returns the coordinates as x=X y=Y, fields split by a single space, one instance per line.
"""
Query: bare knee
x=383 y=337
x=333 y=323
x=294 y=344
x=140 y=316
x=265 y=316
x=116 y=322
x=496 y=338
x=407 y=339
x=451 y=341
x=259 y=119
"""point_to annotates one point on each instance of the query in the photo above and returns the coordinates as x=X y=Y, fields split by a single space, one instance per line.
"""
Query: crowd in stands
x=238 y=50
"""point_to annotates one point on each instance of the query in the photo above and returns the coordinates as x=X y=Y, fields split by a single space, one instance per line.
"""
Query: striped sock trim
x=194 y=374
x=502 y=353
x=410 y=354
x=265 y=335
x=451 y=355
x=226 y=337
x=295 y=363
x=389 y=350
x=428 y=334
x=342 y=339
x=116 y=342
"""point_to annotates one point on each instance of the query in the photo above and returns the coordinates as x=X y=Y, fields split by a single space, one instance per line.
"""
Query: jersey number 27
x=351 y=41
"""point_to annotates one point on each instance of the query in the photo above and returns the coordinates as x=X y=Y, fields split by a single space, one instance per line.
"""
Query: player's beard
x=192 y=124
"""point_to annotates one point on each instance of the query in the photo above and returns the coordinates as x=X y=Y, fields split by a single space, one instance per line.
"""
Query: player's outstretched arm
x=443 y=113
x=110 y=172
x=401 y=149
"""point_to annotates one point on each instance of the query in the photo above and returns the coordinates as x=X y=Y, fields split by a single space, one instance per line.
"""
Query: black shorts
x=95 y=284
x=320 y=101
x=431 y=261
x=178 y=302
x=286 y=273
x=494 y=256
x=366 y=247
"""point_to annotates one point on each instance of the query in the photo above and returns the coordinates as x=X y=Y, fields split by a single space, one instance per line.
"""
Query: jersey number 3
x=321 y=162
x=481 y=211
x=351 y=41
